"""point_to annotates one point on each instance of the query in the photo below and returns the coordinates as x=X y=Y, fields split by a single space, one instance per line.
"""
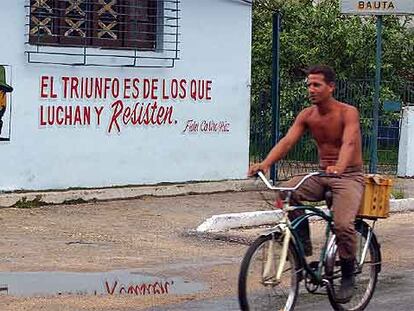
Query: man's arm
x=283 y=146
x=350 y=139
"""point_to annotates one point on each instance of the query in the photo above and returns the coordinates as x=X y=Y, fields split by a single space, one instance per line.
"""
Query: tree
x=318 y=33
x=314 y=33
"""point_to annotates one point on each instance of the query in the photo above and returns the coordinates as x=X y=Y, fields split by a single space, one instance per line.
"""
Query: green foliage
x=397 y=194
x=75 y=201
x=313 y=34
x=24 y=203
x=318 y=33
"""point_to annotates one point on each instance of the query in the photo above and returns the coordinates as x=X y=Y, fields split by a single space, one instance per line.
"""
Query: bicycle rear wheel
x=366 y=275
x=258 y=287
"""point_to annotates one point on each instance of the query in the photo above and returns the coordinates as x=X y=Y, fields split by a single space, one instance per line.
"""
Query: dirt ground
x=151 y=236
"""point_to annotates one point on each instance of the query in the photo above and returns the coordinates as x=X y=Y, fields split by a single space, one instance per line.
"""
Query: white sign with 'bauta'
x=385 y=7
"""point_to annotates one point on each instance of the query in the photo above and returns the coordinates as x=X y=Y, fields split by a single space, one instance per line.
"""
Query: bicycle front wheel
x=260 y=288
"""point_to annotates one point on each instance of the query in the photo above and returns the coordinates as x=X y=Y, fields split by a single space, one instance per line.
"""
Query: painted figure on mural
x=4 y=88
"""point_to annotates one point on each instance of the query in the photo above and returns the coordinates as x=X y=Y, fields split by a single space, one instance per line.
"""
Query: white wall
x=406 y=146
x=215 y=45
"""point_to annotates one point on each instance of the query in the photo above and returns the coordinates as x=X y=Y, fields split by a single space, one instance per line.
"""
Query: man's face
x=3 y=98
x=318 y=90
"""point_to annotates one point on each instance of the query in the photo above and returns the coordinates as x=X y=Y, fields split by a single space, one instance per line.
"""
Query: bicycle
x=275 y=264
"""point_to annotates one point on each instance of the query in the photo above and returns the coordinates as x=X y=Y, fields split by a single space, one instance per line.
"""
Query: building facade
x=110 y=92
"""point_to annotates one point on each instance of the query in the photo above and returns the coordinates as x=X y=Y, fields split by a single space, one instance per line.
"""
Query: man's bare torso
x=327 y=129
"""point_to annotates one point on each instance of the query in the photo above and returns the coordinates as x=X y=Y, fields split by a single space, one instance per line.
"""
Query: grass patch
x=76 y=201
x=24 y=203
x=397 y=193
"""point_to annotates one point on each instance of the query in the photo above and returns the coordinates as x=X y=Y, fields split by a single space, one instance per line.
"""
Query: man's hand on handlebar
x=256 y=168
x=334 y=170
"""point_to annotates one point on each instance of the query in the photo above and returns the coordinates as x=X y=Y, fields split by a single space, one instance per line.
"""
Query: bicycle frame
x=365 y=250
x=289 y=229
x=275 y=263
x=316 y=274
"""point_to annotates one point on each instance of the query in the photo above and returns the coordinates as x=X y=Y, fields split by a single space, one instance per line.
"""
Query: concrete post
x=406 y=146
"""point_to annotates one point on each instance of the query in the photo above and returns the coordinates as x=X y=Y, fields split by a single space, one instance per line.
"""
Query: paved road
x=394 y=293
x=152 y=237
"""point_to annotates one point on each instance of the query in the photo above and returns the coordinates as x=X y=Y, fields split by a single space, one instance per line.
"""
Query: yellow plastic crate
x=376 y=199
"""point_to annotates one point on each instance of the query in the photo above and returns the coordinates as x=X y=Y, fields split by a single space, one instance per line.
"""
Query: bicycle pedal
x=270 y=282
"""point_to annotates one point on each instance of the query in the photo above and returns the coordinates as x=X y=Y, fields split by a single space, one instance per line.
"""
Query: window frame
x=146 y=37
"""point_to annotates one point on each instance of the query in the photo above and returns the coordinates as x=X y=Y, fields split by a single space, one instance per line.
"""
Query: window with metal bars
x=126 y=24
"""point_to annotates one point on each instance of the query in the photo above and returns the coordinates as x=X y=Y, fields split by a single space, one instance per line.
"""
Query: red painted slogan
x=130 y=101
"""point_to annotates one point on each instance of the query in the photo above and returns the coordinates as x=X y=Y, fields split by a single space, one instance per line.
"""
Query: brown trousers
x=346 y=197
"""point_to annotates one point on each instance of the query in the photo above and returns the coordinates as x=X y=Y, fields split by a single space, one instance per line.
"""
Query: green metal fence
x=303 y=157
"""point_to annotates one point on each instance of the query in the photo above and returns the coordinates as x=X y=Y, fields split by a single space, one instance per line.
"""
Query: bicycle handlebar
x=268 y=185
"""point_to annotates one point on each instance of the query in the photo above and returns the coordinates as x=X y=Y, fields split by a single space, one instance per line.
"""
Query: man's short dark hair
x=327 y=72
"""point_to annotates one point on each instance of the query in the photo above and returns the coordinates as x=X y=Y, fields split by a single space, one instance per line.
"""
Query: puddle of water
x=123 y=282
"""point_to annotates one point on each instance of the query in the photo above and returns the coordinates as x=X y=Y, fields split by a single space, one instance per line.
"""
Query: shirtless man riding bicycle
x=335 y=127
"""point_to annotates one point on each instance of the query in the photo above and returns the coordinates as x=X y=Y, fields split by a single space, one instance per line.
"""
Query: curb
x=116 y=193
x=223 y=222
x=236 y=220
